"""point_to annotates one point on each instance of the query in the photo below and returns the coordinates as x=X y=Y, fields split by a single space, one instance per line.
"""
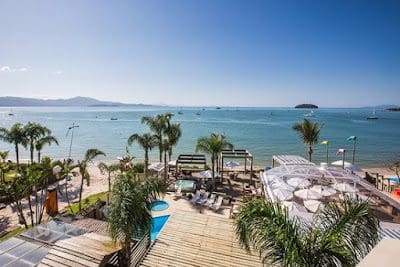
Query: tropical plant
x=341 y=234
x=146 y=141
x=129 y=213
x=16 y=135
x=67 y=165
x=213 y=145
x=110 y=169
x=309 y=133
x=4 y=156
x=158 y=124
x=83 y=169
x=174 y=133
x=41 y=142
x=394 y=165
x=33 y=132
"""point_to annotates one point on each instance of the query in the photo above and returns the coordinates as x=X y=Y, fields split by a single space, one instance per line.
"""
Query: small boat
x=309 y=114
x=180 y=113
x=114 y=119
x=10 y=114
x=373 y=116
x=217 y=108
x=198 y=113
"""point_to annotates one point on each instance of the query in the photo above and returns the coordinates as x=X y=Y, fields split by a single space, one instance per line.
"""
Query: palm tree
x=309 y=133
x=129 y=213
x=4 y=167
x=33 y=132
x=341 y=233
x=66 y=167
x=16 y=135
x=4 y=156
x=85 y=176
x=41 y=142
x=109 y=169
x=174 y=133
x=158 y=124
x=146 y=141
x=213 y=145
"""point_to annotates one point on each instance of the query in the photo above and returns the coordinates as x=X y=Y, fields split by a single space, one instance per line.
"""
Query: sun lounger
x=203 y=199
x=196 y=197
x=210 y=201
x=217 y=205
x=178 y=192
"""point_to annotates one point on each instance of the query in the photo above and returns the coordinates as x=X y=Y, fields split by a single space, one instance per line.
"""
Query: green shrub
x=138 y=167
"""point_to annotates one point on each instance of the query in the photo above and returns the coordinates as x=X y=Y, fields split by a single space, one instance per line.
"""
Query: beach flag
x=325 y=142
x=341 y=151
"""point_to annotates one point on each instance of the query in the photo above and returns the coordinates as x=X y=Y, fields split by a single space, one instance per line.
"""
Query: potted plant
x=226 y=199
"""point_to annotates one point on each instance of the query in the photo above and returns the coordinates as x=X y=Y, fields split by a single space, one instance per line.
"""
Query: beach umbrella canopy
x=345 y=187
x=232 y=164
x=206 y=174
x=56 y=169
x=340 y=163
x=293 y=206
x=158 y=166
x=325 y=191
x=298 y=182
x=282 y=194
x=312 y=205
x=307 y=194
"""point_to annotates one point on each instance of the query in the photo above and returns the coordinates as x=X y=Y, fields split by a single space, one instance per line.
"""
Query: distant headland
x=79 y=101
x=306 y=106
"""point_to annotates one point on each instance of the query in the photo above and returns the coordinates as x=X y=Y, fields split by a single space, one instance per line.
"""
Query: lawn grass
x=13 y=233
x=87 y=201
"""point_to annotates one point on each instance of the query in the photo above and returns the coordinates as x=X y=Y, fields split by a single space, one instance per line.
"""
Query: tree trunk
x=170 y=154
x=310 y=151
x=17 y=155
x=38 y=156
x=31 y=151
x=146 y=162
x=43 y=198
x=125 y=256
x=30 y=208
x=165 y=167
x=21 y=213
x=66 y=192
x=161 y=152
x=80 y=195
x=109 y=187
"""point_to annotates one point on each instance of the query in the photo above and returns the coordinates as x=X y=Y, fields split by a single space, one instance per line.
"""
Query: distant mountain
x=10 y=101
x=383 y=106
x=306 y=106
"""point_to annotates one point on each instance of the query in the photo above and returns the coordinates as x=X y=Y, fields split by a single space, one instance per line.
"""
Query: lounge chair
x=210 y=201
x=217 y=205
x=178 y=192
x=196 y=197
x=203 y=199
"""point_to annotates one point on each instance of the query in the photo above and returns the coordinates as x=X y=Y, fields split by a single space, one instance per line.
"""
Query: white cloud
x=10 y=69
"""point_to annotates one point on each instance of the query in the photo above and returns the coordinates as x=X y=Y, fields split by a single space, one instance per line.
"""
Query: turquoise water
x=263 y=131
x=158 y=224
x=186 y=185
x=159 y=205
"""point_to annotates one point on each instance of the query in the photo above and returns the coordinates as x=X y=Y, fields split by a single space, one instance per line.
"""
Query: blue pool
x=157 y=226
x=159 y=205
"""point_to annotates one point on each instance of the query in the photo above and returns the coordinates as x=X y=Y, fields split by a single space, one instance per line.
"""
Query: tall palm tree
x=174 y=133
x=67 y=165
x=341 y=234
x=41 y=142
x=213 y=145
x=83 y=169
x=16 y=135
x=158 y=124
x=309 y=133
x=110 y=169
x=33 y=132
x=146 y=141
x=129 y=213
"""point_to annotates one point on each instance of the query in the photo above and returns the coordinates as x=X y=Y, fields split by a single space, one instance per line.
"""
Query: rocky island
x=306 y=106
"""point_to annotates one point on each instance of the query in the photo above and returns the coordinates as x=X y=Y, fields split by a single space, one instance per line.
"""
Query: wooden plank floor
x=193 y=239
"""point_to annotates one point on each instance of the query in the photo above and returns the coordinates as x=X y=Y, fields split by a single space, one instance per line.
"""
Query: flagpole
x=327 y=157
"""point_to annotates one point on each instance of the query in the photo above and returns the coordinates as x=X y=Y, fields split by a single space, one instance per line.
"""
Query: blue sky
x=237 y=53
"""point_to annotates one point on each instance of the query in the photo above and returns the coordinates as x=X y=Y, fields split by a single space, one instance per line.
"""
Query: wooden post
x=251 y=170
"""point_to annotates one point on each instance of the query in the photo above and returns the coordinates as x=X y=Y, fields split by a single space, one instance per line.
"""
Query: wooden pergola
x=237 y=154
x=190 y=160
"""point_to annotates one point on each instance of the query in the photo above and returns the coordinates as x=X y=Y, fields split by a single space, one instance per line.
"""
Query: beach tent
x=307 y=194
x=312 y=205
x=282 y=194
x=298 y=182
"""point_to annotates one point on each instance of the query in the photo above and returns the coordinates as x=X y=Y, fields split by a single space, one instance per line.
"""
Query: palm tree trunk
x=170 y=154
x=31 y=151
x=161 y=152
x=310 y=151
x=66 y=193
x=30 y=208
x=146 y=162
x=125 y=256
x=38 y=156
x=17 y=154
x=165 y=167
x=21 y=213
x=109 y=187
x=80 y=195
x=213 y=166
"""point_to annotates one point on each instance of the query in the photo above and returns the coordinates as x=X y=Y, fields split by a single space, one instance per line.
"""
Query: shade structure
x=312 y=205
x=282 y=194
x=293 y=206
x=340 y=163
x=299 y=182
x=158 y=166
x=279 y=184
x=307 y=194
x=232 y=164
x=206 y=174
x=325 y=191
x=345 y=187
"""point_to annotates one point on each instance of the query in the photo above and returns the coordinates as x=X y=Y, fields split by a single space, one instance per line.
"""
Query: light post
x=353 y=139
x=71 y=128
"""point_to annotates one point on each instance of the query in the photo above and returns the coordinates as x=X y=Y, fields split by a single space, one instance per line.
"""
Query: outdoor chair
x=210 y=201
x=196 y=197
x=203 y=199
x=217 y=205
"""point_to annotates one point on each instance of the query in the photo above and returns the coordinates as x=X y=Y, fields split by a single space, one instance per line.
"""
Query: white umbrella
x=282 y=194
x=56 y=169
x=293 y=206
x=352 y=167
x=340 y=163
x=278 y=184
x=158 y=166
x=298 y=182
x=307 y=194
x=206 y=174
x=232 y=164
x=312 y=205
x=325 y=191
x=120 y=158
x=345 y=187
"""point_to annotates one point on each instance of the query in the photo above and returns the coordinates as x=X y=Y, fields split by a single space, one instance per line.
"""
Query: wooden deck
x=193 y=239
x=88 y=250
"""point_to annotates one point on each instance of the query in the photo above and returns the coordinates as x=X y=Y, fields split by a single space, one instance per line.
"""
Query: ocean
x=262 y=131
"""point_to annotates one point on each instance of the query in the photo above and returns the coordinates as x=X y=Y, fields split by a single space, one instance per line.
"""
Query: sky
x=206 y=52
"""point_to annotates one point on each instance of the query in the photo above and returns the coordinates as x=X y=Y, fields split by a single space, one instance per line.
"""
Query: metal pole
x=327 y=153
x=354 y=150
x=72 y=128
